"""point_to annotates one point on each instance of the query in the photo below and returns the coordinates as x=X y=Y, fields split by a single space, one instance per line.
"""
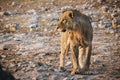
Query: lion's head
x=65 y=21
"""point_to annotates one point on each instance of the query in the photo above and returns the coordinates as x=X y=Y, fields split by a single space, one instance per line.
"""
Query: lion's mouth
x=64 y=30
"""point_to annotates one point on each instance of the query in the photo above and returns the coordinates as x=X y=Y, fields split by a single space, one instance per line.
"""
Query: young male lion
x=77 y=35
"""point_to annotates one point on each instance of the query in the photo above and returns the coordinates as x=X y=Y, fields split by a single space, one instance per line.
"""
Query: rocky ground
x=30 y=46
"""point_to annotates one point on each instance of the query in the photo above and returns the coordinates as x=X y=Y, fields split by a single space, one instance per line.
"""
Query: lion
x=77 y=35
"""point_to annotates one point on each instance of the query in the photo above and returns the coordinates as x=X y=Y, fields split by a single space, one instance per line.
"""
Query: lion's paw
x=85 y=72
x=62 y=69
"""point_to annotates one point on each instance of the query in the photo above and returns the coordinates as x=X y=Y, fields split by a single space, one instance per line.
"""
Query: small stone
x=105 y=24
x=101 y=1
x=105 y=8
x=115 y=22
x=45 y=29
x=32 y=64
x=32 y=11
x=66 y=78
x=1 y=13
x=14 y=3
x=1 y=20
x=46 y=8
x=73 y=78
x=3 y=56
x=5 y=48
x=38 y=64
x=111 y=31
x=66 y=8
x=56 y=70
x=94 y=4
x=34 y=25
x=115 y=14
x=29 y=68
x=54 y=77
x=7 y=13
x=69 y=63
x=12 y=65
x=95 y=25
x=1 y=48
x=0 y=8
x=12 y=27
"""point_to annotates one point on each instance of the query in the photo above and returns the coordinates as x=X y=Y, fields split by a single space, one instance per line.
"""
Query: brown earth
x=34 y=55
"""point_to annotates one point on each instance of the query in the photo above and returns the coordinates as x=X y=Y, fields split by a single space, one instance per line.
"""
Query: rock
x=40 y=70
x=111 y=31
x=35 y=25
x=33 y=21
x=66 y=78
x=94 y=14
x=38 y=64
x=11 y=65
x=14 y=3
x=46 y=8
x=0 y=8
x=73 y=78
x=4 y=46
x=31 y=11
x=114 y=14
x=68 y=63
x=32 y=64
x=3 y=56
x=1 y=48
x=101 y=1
x=56 y=70
x=42 y=78
x=12 y=27
x=7 y=13
x=94 y=4
x=66 y=7
x=1 y=13
x=94 y=25
x=105 y=24
x=1 y=20
x=105 y=9
x=115 y=22
x=45 y=29
x=29 y=68
x=54 y=77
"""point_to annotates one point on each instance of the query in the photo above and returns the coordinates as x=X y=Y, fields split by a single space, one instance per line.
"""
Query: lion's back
x=83 y=24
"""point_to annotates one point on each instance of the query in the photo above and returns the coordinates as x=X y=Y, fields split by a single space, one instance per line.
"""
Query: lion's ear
x=70 y=14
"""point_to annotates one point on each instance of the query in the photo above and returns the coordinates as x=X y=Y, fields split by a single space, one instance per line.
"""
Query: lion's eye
x=64 y=21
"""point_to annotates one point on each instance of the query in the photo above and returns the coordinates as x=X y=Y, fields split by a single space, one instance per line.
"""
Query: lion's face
x=65 y=21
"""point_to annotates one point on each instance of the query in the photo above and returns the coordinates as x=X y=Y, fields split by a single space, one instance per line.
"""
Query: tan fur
x=77 y=35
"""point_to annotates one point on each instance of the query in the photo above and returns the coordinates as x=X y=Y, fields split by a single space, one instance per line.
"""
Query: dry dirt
x=33 y=53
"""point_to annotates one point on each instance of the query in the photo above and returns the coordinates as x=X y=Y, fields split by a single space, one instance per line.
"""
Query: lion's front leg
x=61 y=68
x=74 y=55
x=64 y=50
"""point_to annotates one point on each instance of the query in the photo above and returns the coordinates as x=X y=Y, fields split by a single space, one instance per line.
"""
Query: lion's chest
x=75 y=38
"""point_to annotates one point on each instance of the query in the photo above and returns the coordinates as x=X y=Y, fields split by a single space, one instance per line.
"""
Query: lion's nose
x=57 y=26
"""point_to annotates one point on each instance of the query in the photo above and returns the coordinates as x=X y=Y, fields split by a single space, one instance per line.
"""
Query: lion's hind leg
x=84 y=59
